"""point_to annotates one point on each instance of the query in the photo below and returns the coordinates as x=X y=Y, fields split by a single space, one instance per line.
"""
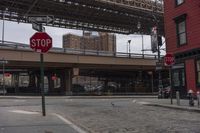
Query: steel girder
x=96 y=15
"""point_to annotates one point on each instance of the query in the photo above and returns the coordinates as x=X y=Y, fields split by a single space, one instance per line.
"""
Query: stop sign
x=41 y=42
x=169 y=59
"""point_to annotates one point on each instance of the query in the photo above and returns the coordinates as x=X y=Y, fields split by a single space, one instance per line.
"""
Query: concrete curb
x=109 y=97
x=183 y=108
x=74 y=97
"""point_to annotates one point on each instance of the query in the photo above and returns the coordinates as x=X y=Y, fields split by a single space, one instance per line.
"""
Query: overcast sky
x=22 y=32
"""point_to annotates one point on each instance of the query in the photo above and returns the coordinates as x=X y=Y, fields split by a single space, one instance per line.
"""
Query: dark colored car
x=165 y=92
x=76 y=88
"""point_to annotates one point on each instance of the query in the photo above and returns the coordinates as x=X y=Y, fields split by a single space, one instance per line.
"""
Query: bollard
x=198 y=98
x=191 y=98
x=178 y=97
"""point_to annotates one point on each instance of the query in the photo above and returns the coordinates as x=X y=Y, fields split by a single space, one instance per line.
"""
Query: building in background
x=91 y=41
x=182 y=32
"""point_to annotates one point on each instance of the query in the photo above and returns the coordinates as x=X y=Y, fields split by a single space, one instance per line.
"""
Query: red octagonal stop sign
x=41 y=42
x=169 y=59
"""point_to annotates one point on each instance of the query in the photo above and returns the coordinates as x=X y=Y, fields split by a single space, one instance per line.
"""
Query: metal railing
x=22 y=46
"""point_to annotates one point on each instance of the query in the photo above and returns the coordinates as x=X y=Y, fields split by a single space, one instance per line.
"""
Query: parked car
x=76 y=88
x=165 y=92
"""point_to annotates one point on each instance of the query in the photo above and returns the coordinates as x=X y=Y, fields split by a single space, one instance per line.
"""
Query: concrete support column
x=38 y=83
x=50 y=82
x=16 y=82
x=67 y=82
x=32 y=84
x=32 y=80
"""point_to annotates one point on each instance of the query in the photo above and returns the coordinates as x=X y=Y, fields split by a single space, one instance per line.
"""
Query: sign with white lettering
x=41 y=42
x=41 y=19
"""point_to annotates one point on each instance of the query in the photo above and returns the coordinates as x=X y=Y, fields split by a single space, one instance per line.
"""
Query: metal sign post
x=169 y=61
x=37 y=27
x=170 y=82
x=42 y=83
x=41 y=42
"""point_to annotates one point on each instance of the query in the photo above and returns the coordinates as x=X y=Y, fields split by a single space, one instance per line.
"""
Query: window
x=176 y=79
x=181 y=33
x=181 y=29
x=179 y=2
x=198 y=71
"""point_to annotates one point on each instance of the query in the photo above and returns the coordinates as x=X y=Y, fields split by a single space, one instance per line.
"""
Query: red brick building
x=100 y=41
x=182 y=32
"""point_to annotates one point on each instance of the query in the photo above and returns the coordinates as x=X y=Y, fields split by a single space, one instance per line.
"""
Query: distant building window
x=198 y=71
x=181 y=29
x=179 y=2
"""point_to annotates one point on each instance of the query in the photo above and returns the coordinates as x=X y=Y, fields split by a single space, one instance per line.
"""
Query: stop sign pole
x=41 y=42
x=42 y=83
x=169 y=61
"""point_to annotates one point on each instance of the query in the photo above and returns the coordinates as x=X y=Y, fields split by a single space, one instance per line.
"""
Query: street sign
x=41 y=19
x=169 y=59
x=158 y=67
x=3 y=62
x=159 y=63
x=54 y=77
x=37 y=27
x=7 y=74
x=179 y=66
x=41 y=42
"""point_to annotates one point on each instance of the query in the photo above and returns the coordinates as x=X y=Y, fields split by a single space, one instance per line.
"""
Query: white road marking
x=134 y=101
x=79 y=130
x=143 y=103
x=68 y=100
x=24 y=112
x=19 y=100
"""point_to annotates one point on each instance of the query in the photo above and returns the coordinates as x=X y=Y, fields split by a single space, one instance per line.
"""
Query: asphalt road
x=93 y=115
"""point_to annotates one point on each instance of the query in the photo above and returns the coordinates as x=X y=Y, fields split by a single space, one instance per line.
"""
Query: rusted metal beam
x=87 y=14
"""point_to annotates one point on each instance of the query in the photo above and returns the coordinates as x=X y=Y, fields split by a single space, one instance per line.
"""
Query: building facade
x=90 y=41
x=182 y=32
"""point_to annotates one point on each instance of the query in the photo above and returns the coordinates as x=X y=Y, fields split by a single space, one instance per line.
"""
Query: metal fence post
x=178 y=97
x=198 y=98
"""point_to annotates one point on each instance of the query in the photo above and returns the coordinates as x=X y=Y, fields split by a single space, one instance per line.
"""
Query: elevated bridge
x=94 y=67
x=118 y=16
x=22 y=55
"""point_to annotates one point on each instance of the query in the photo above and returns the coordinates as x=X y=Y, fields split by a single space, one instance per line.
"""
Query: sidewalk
x=78 y=97
x=20 y=120
x=166 y=103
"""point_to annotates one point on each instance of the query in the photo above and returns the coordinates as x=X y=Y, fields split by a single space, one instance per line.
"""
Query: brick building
x=182 y=32
x=91 y=41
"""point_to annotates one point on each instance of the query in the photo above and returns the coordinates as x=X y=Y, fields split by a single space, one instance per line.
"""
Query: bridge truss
x=118 y=16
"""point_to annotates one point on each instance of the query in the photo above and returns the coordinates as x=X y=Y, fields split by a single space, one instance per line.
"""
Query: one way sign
x=41 y=19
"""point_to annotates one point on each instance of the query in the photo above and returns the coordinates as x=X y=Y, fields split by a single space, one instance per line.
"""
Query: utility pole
x=160 y=86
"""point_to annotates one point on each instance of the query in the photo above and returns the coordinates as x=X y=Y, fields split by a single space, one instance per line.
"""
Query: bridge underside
x=23 y=79
x=98 y=15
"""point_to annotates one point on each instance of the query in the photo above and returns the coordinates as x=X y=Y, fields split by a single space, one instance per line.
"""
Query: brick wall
x=102 y=42
x=192 y=9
